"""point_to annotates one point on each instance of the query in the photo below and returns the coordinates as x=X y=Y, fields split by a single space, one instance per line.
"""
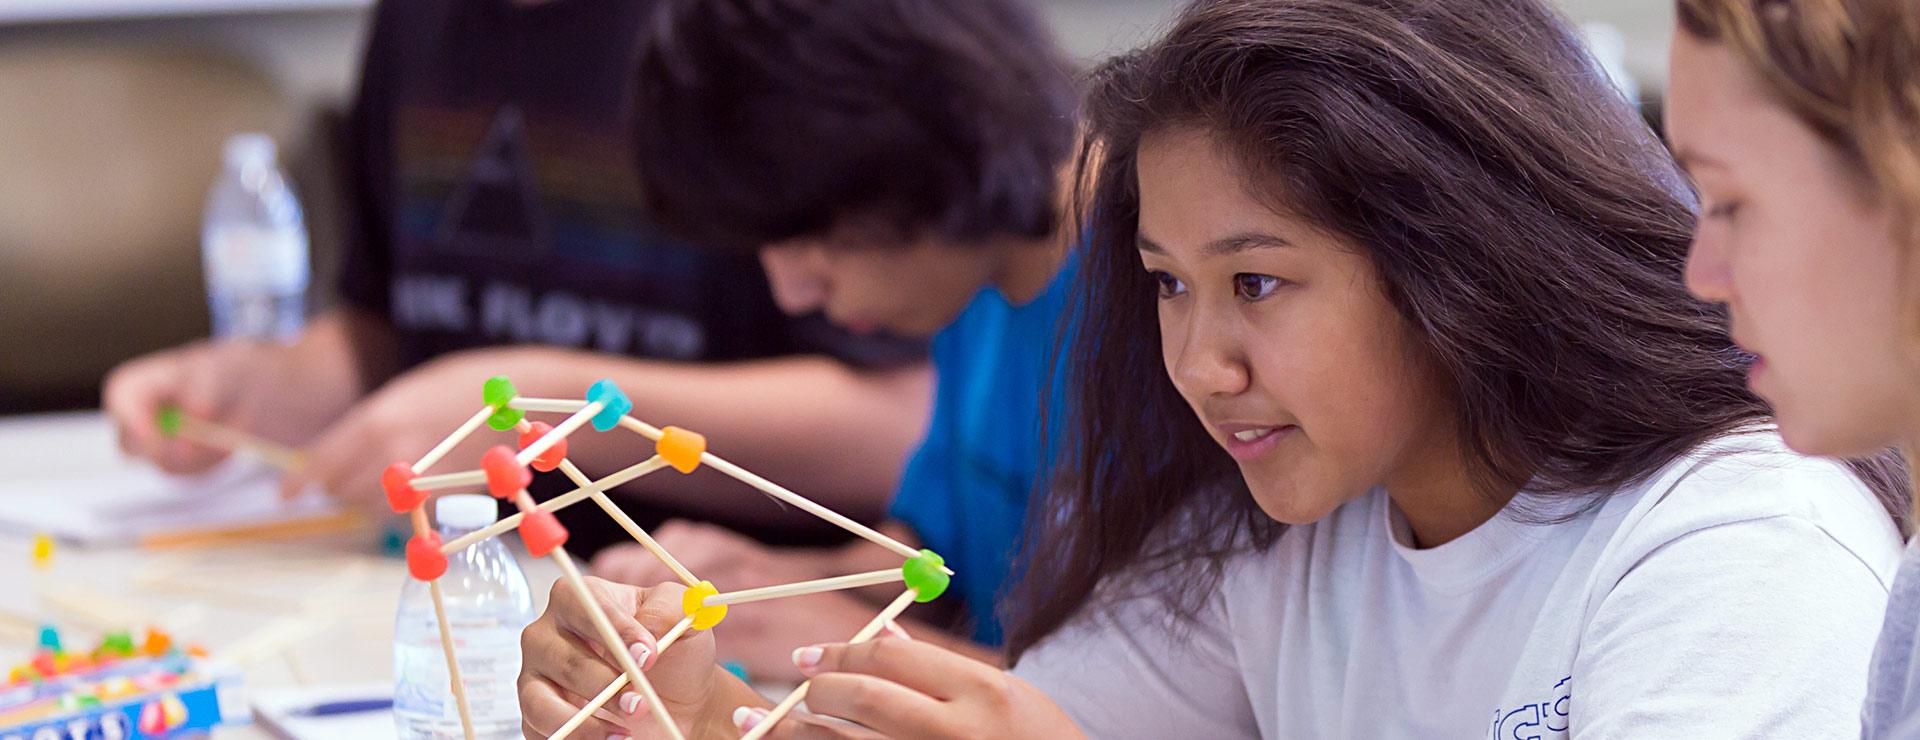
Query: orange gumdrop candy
x=542 y=532
x=505 y=475
x=681 y=448
x=550 y=459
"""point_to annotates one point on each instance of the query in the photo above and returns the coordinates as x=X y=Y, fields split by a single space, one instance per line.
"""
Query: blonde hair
x=1850 y=70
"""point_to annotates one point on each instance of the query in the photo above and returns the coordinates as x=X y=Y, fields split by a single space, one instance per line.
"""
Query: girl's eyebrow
x=1246 y=242
x=1690 y=159
x=1226 y=245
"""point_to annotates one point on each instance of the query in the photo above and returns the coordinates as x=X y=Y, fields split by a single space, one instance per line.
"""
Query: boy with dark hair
x=496 y=206
x=898 y=165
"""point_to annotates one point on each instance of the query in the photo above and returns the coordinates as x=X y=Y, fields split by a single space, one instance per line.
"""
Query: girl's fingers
x=566 y=661
x=543 y=709
x=936 y=672
x=799 y=725
x=887 y=707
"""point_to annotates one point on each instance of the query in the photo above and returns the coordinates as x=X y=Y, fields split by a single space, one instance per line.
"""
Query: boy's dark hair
x=759 y=121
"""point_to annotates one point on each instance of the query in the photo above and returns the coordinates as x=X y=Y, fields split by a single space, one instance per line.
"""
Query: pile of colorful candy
x=121 y=688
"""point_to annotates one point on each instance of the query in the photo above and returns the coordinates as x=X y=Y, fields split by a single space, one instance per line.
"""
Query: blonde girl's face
x=1280 y=338
x=1793 y=241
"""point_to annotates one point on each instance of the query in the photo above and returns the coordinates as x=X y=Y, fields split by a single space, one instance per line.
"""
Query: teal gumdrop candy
x=169 y=420
x=615 y=404
x=50 y=638
x=925 y=575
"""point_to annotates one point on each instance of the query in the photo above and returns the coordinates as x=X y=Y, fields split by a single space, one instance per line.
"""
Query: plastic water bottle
x=253 y=245
x=487 y=605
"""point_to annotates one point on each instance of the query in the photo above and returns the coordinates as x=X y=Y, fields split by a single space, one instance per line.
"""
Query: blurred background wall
x=112 y=114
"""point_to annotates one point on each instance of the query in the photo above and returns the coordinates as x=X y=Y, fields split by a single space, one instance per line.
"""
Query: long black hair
x=1525 y=222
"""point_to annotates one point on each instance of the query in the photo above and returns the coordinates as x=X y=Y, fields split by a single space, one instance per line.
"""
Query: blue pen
x=354 y=706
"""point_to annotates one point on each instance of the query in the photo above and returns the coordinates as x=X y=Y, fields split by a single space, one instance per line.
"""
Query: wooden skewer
x=560 y=432
x=780 y=492
x=453 y=666
x=613 y=687
x=453 y=440
x=866 y=633
x=823 y=585
x=554 y=504
x=450 y=480
x=552 y=405
x=420 y=527
x=612 y=639
x=598 y=492
x=209 y=434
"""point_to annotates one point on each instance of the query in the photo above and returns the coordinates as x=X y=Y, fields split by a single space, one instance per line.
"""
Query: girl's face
x=1281 y=339
x=1791 y=239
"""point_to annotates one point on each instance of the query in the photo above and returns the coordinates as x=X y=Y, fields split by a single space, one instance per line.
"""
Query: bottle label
x=488 y=650
x=251 y=258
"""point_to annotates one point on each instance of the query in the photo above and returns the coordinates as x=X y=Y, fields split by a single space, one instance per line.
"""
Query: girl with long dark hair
x=1392 y=417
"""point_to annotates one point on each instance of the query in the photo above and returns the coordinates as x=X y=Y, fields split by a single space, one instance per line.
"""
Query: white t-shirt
x=1732 y=595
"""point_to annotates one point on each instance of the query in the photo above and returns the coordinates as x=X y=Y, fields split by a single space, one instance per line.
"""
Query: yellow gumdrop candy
x=704 y=617
x=681 y=448
x=42 y=551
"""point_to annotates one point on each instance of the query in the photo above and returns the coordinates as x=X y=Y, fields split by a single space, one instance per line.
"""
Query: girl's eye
x=1723 y=211
x=1252 y=287
x=1169 y=285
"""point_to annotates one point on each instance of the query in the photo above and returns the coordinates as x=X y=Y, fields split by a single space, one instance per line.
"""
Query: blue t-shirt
x=965 y=489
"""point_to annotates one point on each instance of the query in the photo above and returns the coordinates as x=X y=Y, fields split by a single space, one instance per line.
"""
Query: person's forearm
x=834 y=434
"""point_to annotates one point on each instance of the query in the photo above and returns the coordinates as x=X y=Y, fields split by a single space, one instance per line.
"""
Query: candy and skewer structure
x=172 y=422
x=506 y=474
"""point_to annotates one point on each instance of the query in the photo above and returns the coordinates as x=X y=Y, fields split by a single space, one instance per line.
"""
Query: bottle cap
x=250 y=149
x=466 y=511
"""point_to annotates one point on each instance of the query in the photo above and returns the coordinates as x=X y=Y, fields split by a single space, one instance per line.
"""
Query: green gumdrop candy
x=925 y=576
x=497 y=391
x=169 y=420
x=504 y=419
x=120 y=643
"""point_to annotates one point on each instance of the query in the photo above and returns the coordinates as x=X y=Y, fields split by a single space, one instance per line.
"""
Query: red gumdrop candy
x=401 y=495
x=550 y=459
x=542 y=532
x=505 y=475
x=44 y=663
x=153 y=719
x=424 y=559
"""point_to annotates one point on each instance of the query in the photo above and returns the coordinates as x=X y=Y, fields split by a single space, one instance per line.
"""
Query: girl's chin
x=1291 y=504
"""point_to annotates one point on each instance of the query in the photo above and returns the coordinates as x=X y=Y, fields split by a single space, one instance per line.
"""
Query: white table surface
x=226 y=597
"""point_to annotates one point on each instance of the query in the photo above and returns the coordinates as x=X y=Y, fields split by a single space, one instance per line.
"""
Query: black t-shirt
x=495 y=201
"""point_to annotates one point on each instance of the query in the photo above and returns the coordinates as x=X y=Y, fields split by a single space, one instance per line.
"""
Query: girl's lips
x=1247 y=444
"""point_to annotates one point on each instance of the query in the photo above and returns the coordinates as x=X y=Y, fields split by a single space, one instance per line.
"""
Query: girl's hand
x=910 y=689
x=564 y=664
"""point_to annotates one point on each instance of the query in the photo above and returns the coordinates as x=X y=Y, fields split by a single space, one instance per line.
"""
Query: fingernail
x=807 y=657
x=630 y=702
x=746 y=717
x=640 y=652
x=618 y=737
